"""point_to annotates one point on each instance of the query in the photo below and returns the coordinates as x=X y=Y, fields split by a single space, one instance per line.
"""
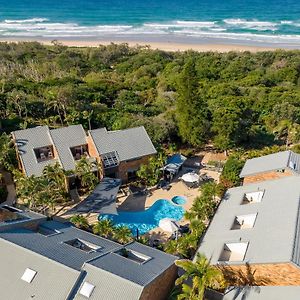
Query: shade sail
x=102 y=200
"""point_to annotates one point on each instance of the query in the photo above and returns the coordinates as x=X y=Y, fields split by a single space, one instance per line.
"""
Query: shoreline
x=170 y=46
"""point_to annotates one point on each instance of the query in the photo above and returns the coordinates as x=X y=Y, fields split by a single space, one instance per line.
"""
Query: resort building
x=120 y=152
x=258 y=224
x=43 y=259
x=272 y=166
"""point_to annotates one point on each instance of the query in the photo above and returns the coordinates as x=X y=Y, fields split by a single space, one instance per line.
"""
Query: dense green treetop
x=233 y=99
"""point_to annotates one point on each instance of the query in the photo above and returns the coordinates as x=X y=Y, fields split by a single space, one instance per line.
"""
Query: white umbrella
x=190 y=177
x=169 y=225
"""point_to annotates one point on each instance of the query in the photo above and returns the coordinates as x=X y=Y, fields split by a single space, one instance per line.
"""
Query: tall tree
x=191 y=109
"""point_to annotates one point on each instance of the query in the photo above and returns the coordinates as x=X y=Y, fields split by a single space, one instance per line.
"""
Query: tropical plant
x=85 y=171
x=104 y=228
x=122 y=234
x=7 y=153
x=201 y=275
x=80 y=221
x=150 y=173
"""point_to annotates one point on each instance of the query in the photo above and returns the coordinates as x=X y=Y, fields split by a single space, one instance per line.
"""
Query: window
x=233 y=252
x=82 y=245
x=244 y=221
x=253 y=197
x=86 y=289
x=28 y=275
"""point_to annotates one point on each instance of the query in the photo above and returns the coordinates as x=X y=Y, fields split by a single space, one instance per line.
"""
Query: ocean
x=259 y=22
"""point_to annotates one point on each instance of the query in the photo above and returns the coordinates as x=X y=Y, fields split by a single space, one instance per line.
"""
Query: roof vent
x=28 y=275
x=86 y=289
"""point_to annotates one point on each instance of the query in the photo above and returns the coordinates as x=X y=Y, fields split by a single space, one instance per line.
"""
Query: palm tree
x=103 y=228
x=122 y=234
x=56 y=174
x=80 y=221
x=201 y=274
x=84 y=171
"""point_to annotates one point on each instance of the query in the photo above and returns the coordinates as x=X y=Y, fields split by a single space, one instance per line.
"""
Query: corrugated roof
x=272 y=162
x=129 y=143
x=29 y=139
x=66 y=138
x=273 y=237
x=108 y=286
x=62 y=269
x=141 y=274
x=52 y=280
x=53 y=247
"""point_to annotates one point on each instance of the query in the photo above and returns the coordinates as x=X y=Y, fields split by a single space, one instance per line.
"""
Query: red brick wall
x=131 y=165
x=160 y=288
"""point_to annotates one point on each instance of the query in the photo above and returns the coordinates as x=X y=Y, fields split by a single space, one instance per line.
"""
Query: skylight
x=83 y=245
x=133 y=255
x=28 y=275
x=86 y=289
x=253 y=197
x=110 y=159
x=233 y=251
x=244 y=221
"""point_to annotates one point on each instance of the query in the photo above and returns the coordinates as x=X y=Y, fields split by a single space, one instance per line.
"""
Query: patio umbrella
x=190 y=177
x=169 y=225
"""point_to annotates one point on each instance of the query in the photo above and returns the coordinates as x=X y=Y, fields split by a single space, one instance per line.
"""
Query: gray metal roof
x=62 y=269
x=101 y=200
x=22 y=218
x=141 y=274
x=275 y=234
x=52 y=281
x=53 y=247
x=129 y=143
x=26 y=141
x=108 y=286
x=66 y=138
x=263 y=293
x=272 y=162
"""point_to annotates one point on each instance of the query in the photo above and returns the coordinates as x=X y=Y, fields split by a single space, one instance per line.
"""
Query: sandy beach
x=166 y=46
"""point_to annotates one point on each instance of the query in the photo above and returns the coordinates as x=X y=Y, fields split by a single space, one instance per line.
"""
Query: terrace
x=79 y=151
x=44 y=153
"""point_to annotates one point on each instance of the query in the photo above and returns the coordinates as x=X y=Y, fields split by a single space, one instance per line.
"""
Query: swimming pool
x=147 y=219
x=180 y=200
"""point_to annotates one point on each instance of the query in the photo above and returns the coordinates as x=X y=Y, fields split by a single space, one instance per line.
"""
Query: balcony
x=79 y=151
x=244 y=222
x=44 y=153
x=233 y=252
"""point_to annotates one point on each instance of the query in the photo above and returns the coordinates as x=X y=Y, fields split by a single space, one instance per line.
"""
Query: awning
x=102 y=200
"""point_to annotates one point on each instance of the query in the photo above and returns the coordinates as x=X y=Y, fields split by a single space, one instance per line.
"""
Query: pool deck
x=140 y=203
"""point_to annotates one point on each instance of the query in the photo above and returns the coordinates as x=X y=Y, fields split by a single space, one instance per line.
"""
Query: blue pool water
x=147 y=219
x=180 y=200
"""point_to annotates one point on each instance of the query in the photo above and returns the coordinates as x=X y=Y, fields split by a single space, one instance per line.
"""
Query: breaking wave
x=236 y=29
